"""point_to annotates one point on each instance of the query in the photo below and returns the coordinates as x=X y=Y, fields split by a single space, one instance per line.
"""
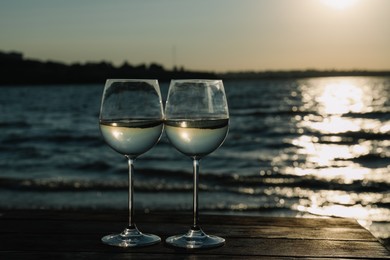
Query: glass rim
x=130 y=80
x=197 y=80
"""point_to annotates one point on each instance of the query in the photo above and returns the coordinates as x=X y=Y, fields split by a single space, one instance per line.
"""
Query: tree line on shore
x=15 y=69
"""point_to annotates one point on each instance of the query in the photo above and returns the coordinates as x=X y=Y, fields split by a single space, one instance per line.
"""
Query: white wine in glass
x=131 y=123
x=196 y=124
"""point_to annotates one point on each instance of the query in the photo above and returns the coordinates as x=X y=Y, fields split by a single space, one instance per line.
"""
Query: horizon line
x=20 y=55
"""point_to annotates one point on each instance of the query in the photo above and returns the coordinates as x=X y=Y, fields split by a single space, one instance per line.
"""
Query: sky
x=206 y=35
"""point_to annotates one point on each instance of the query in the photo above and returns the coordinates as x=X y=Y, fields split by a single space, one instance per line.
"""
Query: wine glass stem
x=195 y=198
x=131 y=191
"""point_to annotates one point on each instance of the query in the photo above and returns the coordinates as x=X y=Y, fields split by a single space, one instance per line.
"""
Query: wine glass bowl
x=196 y=124
x=196 y=137
x=131 y=123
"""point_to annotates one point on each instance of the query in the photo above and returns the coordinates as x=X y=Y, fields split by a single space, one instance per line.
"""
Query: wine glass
x=131 y=123
x=196 y=124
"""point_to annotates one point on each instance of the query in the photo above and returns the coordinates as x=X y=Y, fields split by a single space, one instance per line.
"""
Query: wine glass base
x=131 y=237
x=195 y=239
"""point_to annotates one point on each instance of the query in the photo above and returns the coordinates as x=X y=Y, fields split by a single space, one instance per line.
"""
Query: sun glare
x=332 y=151
x=339 y=4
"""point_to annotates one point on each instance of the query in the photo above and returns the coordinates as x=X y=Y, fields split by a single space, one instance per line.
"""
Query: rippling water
x=307 y=147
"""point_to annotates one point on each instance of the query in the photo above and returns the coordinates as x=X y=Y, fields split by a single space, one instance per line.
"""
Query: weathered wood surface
x=37 y=234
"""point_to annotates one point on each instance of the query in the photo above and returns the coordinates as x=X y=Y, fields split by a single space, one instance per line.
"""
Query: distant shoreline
x=17 y=70
x=293 y=74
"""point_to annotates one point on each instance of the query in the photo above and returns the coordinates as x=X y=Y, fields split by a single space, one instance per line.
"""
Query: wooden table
x=40 y=234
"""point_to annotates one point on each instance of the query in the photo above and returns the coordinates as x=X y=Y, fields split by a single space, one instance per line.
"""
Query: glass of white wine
x=131 y=123
x=196 y=124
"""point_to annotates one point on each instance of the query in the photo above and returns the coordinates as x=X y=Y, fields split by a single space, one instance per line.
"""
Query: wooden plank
x=329 y=228
x=63 y=234
x=183 y=218
x=141 y=256
x=238 y=247
x=297 y=232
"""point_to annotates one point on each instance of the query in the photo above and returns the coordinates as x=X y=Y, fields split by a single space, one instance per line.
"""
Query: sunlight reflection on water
x=337 y=96
x=331 y=150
